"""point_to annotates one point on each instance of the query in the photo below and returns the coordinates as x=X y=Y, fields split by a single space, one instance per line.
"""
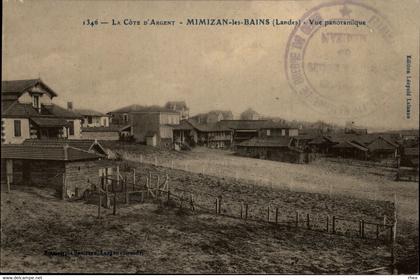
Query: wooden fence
x=155 y=187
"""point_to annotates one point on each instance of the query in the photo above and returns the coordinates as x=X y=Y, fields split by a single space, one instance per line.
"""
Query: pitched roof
x=254 y=124
x=19 y=86
x=382 y=143
x=45 y=152
x=244 y=124
x=266 y=142
x=208 y=127
x=88 y=112
x=351 y=145
x=17 y=109
x=183 y=125
x=49 y=122
x=141 y=108
x=81 y=144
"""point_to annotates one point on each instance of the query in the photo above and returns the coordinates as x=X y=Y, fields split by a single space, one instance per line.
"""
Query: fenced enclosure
x=155 y=188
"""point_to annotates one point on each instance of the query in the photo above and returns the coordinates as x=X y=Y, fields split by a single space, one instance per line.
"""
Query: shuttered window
x=71 y=128
x=18 y=130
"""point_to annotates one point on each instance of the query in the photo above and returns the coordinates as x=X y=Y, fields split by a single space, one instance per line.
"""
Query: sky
x=227 y=67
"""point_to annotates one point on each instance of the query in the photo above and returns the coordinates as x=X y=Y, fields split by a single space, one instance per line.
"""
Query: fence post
x=102 y=181
x=118 y=177
x=360 y=228
x=217 y=205
x=169 y=195
x=363 y=229
x=99 y=205
x=268 y=213
x=297 y=219
x=127 y=195
x=246 y=211
x=333 y=225
x=114 y=211
x=377 y=231
x=134 y=177
x=394 y=237
x=192 y=202
x=8 y=183
x=328 y=223
x=242 y=206
x=277 y=215
x=308 y=221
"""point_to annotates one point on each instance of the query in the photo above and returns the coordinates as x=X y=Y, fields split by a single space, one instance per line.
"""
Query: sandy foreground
x=40 y=233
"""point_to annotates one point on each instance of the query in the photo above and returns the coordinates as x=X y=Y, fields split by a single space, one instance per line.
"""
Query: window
x=71 y=128
x=283 y=132
x=35 y=101
x=125 y=118
x=89 y=119
x=18 y=130
x=268 y=132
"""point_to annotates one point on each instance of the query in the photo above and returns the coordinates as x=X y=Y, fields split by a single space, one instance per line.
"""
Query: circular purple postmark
x=341 y=59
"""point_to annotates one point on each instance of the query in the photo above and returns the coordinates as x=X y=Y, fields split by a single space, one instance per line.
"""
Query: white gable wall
x=8 y=130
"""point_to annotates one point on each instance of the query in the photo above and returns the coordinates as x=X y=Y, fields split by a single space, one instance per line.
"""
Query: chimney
x=70 y=106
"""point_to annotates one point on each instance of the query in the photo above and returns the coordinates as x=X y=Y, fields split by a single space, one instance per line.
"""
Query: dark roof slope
x=45 y=152
x=19 y=86
x=17 y=109
x=208 y=127
x=88 y=112
x=81 y=144
x=244 y=124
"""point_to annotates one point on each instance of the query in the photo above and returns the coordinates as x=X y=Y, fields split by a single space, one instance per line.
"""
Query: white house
x=93 y=118
x=28 y=112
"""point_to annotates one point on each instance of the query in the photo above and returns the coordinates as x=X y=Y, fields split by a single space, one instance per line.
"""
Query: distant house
x=278 y=149
x=69 y=167
x=93 y=118
x=147 y=124
x=350 y=149
x=277 y=129
x=179 y=106
x=153 y=125
x=28 y=112
x=351 y=128
x=381 y=148
x=212 y=135
x=247 y=129
x=212 y=117
x=243 y=129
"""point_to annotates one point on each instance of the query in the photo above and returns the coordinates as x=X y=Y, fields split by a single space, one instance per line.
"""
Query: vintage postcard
x=210 y=137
